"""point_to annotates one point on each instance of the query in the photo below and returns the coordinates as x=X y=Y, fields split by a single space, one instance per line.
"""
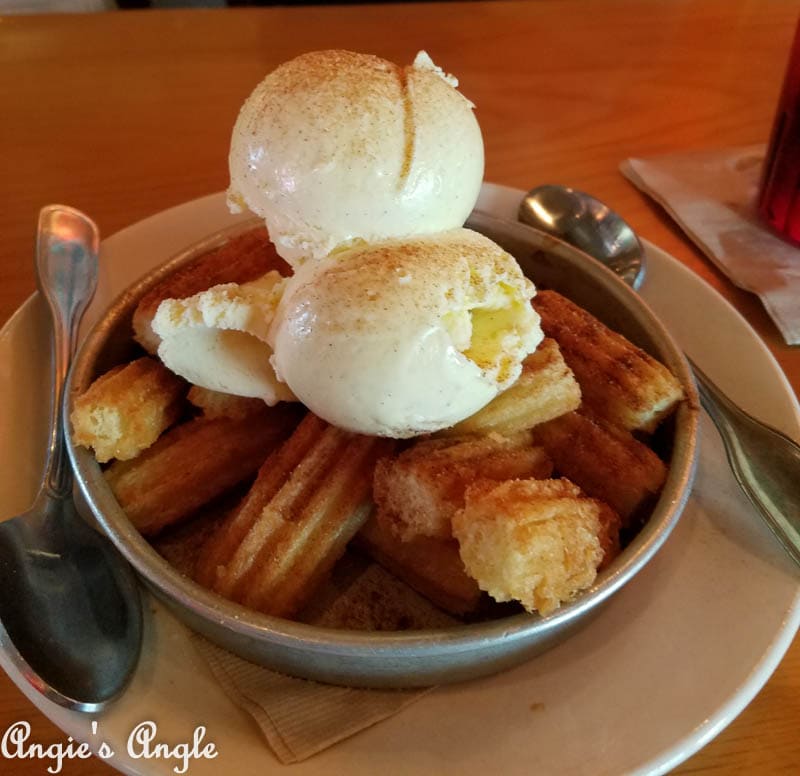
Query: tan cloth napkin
x=712 y=195
x=297 y=717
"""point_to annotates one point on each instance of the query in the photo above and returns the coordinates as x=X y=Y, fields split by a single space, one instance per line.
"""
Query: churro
x=309 y=499
x=545 y=389
x=215 y=404
x=432 y=567
x=619 y=381
x=419 y=491
x=378 y=601
x=125 y=410
x=194 y=463
x=532 y=541
x=607 y=463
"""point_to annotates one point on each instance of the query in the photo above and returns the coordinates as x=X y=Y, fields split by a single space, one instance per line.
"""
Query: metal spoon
x=70 y=613
x=588 y=224
x=765 y=462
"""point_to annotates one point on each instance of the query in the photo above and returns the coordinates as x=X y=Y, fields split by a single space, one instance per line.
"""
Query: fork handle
x=765 y=462
x=66 y=272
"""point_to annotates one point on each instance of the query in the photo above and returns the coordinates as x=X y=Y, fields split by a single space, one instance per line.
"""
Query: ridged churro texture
x=545 y=389
x=533 y=541
x=607 y=463
x=432 y=567
x=420 y=490
x=194 y=463
x=619 y=381
x=310 y=498
x=337 y=146
x=242 y=259
x=125 y=410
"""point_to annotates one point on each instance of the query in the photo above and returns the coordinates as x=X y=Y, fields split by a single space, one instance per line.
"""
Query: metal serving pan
x=412 y=658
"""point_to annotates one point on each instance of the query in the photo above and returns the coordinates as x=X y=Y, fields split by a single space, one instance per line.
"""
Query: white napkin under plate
x=712 y=196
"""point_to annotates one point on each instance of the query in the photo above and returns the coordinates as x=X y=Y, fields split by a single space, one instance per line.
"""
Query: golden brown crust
x=125 y=410
x=194 y=463
x=610 y=524
x=419 y=491
x=309 y=500
x=533 y=541
x=243 y=258
x=545 y=389
x=607 y=463
x=219 y=550
x=216 y=404
x=431 y=566
x=619 y=381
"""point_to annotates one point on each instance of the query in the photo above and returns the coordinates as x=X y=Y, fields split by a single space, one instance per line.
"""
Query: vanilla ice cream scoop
x=406 y=336
x=217 y=339
x=335 y=147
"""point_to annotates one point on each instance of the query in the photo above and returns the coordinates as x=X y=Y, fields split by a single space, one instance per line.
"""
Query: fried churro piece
x=194 y=463
x=309 y=499
x=378 y=601
x=243 y=258
x=432 y=567
x=419 y=491
x=619 y=381
x=125 y=410
x=608 y=535
x=533 y=541
x=272 y=475
x=216 y=404
x=545 y=389
x=607 y=463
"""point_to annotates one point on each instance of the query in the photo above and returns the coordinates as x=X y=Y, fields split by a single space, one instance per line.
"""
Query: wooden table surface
x=124 y=114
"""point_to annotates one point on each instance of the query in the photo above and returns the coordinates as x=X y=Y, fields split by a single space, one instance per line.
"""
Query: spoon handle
x=765 y=462
x=66 y=271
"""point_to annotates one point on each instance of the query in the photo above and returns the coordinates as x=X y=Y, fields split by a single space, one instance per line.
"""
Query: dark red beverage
x=779 y=200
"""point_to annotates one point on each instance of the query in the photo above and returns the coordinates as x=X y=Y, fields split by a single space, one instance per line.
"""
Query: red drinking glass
x=779 y=199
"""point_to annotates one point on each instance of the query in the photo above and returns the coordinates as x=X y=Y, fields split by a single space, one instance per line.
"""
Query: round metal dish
x=416 y=658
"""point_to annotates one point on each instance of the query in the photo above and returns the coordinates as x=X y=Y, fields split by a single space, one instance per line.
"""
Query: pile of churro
x=364 y=415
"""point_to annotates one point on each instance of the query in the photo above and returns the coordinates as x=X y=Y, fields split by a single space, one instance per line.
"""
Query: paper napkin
x=300 y=718
x=712 y=196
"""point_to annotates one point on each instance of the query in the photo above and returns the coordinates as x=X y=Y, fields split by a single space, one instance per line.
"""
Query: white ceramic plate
x=651 y=680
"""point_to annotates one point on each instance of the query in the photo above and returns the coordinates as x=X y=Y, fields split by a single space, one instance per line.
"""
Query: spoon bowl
x=68 y=607
x=70 y=613
x=588 y=224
